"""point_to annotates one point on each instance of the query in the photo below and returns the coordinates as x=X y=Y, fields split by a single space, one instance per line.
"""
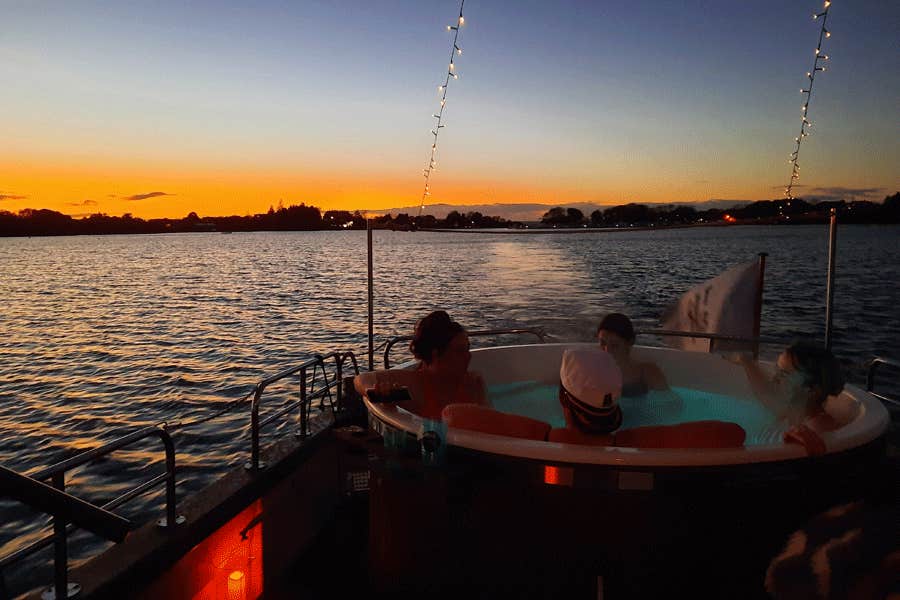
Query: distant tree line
x=306 y=218
x=31 y=221
x=762 y=212
x=453 y=220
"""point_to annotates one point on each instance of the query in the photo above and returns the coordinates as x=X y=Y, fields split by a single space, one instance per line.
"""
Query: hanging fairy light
x=455 y=51
x=818 y=65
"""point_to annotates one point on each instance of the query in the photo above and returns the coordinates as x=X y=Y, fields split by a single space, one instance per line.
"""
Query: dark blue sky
x=556 y=101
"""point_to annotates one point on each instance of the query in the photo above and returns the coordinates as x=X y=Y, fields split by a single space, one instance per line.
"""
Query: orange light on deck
x=237 y=589
x=558 y=475
x=551 y=475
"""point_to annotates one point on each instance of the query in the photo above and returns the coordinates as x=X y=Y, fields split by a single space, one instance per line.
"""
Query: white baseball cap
x=590 y=387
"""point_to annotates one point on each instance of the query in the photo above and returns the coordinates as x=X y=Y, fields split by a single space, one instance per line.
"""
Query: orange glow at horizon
x=172 y=191
x=169 y=189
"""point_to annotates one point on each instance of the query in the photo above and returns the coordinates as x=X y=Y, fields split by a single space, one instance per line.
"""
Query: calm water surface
x=101 y=335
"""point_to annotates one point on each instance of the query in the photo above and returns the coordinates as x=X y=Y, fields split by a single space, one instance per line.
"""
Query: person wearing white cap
x=590 y=388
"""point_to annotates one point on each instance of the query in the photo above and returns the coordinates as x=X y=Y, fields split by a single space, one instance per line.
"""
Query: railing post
x=303 y=402
x=870 y=375
x=757 y=308
x=60 y=587
x=171 y=519
x=369 y=279
x=339 y=363
x=255 y=464
x=829 y=294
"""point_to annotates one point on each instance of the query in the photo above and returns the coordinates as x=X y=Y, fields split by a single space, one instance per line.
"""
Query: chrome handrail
x=61 y=528
x=318 y=361
x=712 y=337
x=537 y=332
x=872 y=365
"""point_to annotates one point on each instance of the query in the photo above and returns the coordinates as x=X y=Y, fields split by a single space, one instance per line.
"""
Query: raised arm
x=385 y=380
x=365 y=381
x=762 y=385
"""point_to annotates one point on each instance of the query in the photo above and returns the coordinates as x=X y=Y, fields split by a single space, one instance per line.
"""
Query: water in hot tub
x=679 y=405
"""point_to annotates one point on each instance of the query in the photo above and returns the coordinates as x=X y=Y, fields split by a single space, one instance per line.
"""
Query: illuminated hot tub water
x=679 y=405
x=524 y=380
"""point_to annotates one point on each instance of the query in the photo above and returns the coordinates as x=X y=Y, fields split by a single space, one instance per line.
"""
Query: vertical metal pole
x=171 y=517
x=832 y=249
x=60 y=546
x=254 y=430
x=757 y=308
x=340 y=381
x=371 y=296
x=303 y=402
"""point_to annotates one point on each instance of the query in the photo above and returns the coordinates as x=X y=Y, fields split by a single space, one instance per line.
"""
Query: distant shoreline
x=302 y=217
x=575 y=230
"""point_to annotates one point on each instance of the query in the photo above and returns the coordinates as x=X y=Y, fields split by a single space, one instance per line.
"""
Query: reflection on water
x=528 y=273
x=101 y=335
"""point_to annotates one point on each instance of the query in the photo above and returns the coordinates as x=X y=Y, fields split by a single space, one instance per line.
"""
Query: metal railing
x=537 y=332
x=713 y=338
x=307 y=395
x=29 y=490
x=872 y=365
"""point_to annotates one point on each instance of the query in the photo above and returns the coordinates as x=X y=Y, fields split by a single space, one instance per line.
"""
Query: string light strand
x=819 y=64
x=455 y=51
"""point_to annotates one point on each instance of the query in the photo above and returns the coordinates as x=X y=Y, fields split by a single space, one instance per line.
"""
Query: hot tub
x=708 y=374
x=645 y=521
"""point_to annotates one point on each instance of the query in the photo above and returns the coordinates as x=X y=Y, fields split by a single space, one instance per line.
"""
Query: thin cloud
x=85 y=203
x=147 y=195
x=11 y=197
x=847 y=193
x=796 y=185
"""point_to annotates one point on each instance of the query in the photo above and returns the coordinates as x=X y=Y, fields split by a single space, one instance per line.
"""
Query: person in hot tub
x=442 y=376
x=806 y=375
x=616 y=336
x=590 y=384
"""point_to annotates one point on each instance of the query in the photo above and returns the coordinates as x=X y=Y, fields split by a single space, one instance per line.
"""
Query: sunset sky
x=161 y=108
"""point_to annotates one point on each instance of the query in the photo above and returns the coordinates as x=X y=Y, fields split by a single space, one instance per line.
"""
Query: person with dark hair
x=806 y=375
x=616 y=336
x=442 y=376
